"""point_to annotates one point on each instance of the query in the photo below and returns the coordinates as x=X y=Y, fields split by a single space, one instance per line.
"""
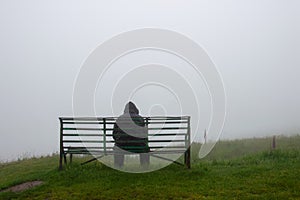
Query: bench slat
x=112 y=141
x=101 y=122
x=111 y=129
x=113 y=152
x=110 y=135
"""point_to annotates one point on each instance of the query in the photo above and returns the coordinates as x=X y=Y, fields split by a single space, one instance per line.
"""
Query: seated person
x=130 y=134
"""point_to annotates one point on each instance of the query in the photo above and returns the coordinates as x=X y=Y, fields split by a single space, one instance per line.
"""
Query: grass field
x=241 y=169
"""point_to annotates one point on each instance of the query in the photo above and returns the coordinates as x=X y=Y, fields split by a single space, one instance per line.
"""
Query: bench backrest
x=93 y=135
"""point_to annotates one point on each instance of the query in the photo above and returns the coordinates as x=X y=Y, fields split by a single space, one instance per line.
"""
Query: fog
x=254 y=44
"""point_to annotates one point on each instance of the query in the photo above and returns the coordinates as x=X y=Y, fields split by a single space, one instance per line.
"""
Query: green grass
x=237 y=148
x=255 y=175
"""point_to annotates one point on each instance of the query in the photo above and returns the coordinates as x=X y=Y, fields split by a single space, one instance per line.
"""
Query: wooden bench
x=93 y=136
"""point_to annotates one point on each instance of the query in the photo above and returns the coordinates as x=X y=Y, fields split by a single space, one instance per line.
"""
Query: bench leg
x=187 y=158
x=71 y=158
x=65 y=159
x=60 y=161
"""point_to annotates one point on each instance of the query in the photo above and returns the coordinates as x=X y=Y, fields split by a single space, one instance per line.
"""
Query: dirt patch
x=23 y=186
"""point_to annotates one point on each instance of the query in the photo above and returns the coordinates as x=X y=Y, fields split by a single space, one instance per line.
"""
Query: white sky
x=255 y=45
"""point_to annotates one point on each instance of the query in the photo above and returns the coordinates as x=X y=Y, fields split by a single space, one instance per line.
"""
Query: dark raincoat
x=130 y=132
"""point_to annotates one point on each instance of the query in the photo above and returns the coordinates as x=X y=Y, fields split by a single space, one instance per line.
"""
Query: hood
x=131 y=108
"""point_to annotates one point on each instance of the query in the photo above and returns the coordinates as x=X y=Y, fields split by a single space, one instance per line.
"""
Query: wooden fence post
x=274 y=142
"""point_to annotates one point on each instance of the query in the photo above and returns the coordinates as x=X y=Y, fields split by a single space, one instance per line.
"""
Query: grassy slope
x=266 y=175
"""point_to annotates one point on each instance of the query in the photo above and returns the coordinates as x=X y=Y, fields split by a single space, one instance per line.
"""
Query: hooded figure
x=130 y=134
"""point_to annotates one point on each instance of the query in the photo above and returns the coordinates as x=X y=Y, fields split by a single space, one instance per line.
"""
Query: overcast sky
x=254 y=44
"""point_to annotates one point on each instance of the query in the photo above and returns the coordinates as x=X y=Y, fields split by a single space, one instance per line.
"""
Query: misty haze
x=255 y=47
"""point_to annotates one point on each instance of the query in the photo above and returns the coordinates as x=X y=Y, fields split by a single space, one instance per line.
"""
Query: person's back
x=130 y=134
